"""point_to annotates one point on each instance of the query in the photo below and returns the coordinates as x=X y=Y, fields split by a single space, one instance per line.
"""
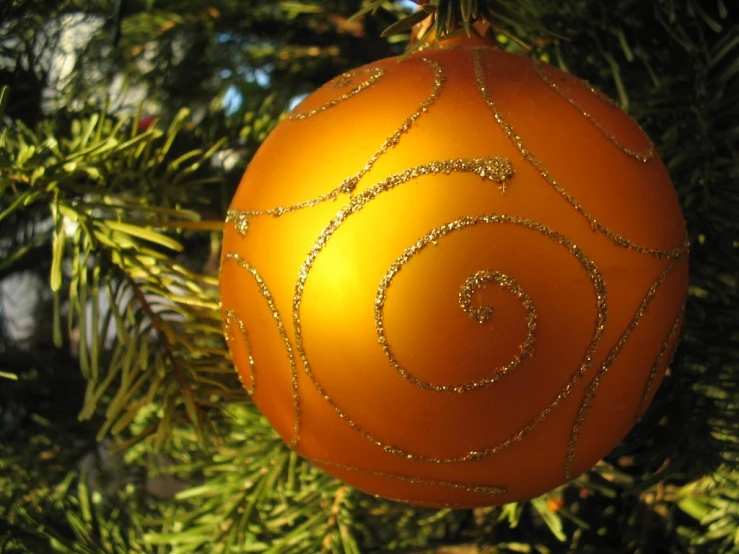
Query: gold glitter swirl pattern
x=447 y=167
x=484 y=314
x=607 y=99
x=510 y=132
x=653 y=372
x=608 y=362
x=376 y=74
x=232 y=317
x=236 y=258
x=394 y=139
x=425 y=504
x=487 y=490
x=240 y=218
x=489 y=169
x=544 y=76
x=481 y=315
x=344 y=80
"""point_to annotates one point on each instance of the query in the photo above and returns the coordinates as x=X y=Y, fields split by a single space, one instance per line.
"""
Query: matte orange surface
x=300 y=288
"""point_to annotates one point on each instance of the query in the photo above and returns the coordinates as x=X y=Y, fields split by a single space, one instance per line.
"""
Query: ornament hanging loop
x=427 y=30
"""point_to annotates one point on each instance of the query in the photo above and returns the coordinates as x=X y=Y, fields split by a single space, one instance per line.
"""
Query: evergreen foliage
x=125 y=126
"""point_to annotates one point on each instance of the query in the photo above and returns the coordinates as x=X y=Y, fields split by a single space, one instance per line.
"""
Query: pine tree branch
x=192 y=410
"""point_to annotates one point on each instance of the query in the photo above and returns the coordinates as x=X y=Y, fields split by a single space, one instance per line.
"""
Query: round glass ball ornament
x=454 y=280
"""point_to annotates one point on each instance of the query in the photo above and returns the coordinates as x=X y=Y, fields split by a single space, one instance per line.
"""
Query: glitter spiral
x=414 y=176
x=481 y=315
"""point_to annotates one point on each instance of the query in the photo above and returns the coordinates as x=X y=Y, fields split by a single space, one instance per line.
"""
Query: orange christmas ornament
x=456 y=279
